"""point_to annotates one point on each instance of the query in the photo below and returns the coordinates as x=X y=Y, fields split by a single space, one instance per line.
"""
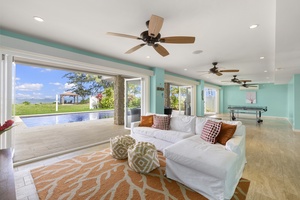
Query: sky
x=36 y=84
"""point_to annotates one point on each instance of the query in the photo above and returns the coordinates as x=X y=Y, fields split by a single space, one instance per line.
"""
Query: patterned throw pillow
x=210 y=131
x=146 y=121
x=227 y=131
x=142 y=157
x=161 y=122
x=119 y=146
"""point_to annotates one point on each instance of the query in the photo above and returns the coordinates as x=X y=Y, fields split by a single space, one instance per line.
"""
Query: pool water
x=65 y=118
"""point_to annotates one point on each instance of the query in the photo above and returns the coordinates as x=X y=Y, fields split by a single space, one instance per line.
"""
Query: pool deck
x=40 y=142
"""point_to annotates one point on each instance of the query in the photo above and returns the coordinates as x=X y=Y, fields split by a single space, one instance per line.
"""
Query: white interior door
x=133 y=101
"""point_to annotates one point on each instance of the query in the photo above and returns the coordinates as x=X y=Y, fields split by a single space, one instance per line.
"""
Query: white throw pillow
x=183 y=124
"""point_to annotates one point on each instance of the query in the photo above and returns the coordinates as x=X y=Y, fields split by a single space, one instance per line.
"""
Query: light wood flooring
x=273 y=162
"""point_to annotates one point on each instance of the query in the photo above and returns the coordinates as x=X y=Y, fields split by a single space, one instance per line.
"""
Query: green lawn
x=47 y=108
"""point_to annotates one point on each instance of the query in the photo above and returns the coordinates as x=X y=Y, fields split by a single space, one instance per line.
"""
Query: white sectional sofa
x=213 y=170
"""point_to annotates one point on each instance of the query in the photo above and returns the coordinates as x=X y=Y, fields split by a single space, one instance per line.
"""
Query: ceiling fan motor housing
x=148 y=39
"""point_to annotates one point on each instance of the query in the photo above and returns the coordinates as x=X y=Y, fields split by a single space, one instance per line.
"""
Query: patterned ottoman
x=142 y=157
x=119 y=146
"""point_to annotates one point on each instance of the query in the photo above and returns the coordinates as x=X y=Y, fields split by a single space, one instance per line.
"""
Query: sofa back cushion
x=183 y=124
x=200 y=122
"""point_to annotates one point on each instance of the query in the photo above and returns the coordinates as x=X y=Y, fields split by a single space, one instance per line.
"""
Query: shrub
x=26 y=103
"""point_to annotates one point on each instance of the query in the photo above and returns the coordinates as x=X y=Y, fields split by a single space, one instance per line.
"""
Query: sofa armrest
x=237 y=143
x=134 y=124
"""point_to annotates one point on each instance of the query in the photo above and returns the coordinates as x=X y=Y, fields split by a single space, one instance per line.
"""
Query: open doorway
x=211 y=101
x=181 y=100
x=37 y=88
x=133 y=101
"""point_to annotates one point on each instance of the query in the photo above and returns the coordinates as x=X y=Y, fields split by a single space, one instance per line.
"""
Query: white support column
x=56 y=103
x=6 y=97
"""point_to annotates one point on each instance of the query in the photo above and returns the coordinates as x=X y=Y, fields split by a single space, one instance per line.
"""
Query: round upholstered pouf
x=119 y=146
x=142 y=157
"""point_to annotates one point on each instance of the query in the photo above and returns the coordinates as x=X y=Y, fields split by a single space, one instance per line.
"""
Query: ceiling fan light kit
x=152 y=37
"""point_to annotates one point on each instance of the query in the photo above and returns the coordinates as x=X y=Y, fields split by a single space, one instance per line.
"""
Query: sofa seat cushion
x=166 y=135
x=200 y=155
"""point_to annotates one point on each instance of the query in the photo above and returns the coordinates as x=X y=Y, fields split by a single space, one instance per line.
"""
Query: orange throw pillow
x=226 y=132
x=146 y=121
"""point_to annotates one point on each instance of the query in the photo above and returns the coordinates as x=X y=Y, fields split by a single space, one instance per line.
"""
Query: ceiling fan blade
x=245 y=80
x=123 y=35
x=230 y=70
x=178 y=39
x=135 y=48
x=155 y=25
x=161 y=50
x=219 y=74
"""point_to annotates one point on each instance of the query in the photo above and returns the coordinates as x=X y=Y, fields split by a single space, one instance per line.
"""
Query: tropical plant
x=107 y=100
x=174 y=101
x=133 y=95
x=86 y=84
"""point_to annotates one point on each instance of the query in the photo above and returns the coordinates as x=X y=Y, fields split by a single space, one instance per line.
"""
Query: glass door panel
x=210 y=101
x=185 y=100
x=133 y=99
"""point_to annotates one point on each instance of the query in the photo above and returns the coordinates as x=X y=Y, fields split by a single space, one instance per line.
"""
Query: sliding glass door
x=133 y=99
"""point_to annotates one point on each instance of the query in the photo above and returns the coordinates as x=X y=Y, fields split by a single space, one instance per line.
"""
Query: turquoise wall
x=199 y=99
x=291 y=101
x=296 y=102
x=275 y=97
x=157 y=96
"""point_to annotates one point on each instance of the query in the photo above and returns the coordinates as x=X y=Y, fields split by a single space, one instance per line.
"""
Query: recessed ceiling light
x=36 y=18
x=265 y=71
x=261 y=57
x=267 y=77
x=253 y=26
x=197 y=52
x=148 y=57
x=185 y=69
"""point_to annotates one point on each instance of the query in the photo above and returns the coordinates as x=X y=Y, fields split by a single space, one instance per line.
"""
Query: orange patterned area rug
x=99 y=176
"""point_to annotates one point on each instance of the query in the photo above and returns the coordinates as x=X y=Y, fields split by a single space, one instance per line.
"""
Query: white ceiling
x=221 y=29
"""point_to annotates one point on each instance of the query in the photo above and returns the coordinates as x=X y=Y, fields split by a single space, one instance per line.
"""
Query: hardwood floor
x=273 y=162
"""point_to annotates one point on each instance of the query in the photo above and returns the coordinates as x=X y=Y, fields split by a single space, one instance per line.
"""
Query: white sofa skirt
x=211 y=187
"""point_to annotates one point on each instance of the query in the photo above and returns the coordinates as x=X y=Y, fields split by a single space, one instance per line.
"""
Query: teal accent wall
x=275 y=97
x=157 y=96
x=296 y=102
x=291 y=101
x=199 y=99
x=221 y=100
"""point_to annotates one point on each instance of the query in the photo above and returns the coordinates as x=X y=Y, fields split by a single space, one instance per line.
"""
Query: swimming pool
x=65 y=118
